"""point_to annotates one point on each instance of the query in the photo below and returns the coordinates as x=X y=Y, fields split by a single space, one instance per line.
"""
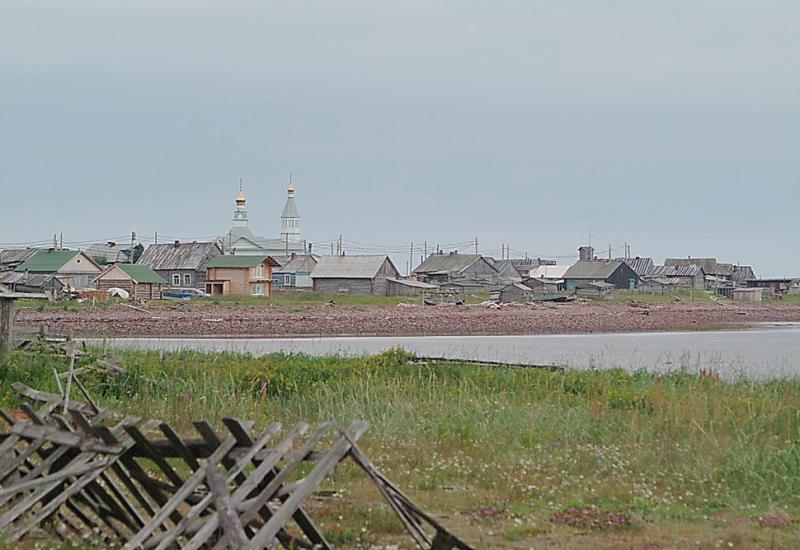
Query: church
x=241 y=241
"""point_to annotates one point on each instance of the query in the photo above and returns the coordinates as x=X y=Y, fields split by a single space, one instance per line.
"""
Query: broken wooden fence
x=76 y=469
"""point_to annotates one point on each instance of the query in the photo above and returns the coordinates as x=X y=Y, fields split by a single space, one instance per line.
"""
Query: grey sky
x=672 y=125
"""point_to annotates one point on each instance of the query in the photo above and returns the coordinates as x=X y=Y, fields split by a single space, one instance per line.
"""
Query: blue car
x=183 y=293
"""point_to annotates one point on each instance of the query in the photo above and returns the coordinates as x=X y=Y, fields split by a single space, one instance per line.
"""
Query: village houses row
x=242 y=263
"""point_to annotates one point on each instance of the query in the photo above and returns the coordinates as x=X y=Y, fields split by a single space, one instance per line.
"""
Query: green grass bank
x=503 y=453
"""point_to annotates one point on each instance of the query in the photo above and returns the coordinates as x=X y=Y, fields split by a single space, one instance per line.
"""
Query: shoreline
x=320 y=321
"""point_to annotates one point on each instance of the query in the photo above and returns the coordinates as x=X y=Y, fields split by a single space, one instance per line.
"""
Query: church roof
x=290 y=210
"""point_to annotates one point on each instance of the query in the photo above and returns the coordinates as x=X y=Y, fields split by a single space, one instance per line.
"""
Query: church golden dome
x=240 y=200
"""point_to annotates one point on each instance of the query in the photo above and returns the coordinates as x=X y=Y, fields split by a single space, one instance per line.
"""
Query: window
x=187 y=279
x=257 y=271
x=287 y=279
x=176 y=279
x=258 y=289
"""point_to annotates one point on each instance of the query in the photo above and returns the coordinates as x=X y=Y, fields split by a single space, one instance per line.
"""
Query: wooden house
x=294 y=271
x=141 y=282
x=240 y=275
x=73 y=268
x=471 y=271
x=515 y=292
x=181 y=264
x=354 y=274
x=614 y=272
x=681 y=276
x=409 y=287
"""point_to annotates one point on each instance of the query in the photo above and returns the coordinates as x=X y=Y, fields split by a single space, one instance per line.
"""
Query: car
x=183 y=293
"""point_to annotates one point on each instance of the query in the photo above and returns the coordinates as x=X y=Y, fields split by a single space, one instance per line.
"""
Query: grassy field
x=508 y=458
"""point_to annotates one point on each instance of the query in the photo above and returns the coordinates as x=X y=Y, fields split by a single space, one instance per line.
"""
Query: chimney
x=177 y=243
x=586 y=253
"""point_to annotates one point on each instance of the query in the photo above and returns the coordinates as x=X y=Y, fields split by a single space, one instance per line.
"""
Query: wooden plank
x=322 y=470
x=152 y=454
x=303 y=520
x=182 y=450
x=15 y=533
x=210 y=523
x=177 y=499
x=60 y=437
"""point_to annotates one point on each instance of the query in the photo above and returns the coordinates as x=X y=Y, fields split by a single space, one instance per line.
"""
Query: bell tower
x=290 y=219
x=240 y=210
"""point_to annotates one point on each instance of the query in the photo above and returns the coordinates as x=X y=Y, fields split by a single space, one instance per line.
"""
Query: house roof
x=112 y=252
x=449 y=263
x=549 y=272
x=165 y=257
x=594 y=270
x=28 y=279
x=414 y=284
x=241 y=261
x=13 y=257
x=299 y=263
x=639 y=265
x=139 y=274
x=47 y=261
x=350 y=267
x=142 y=274
x=673 y=271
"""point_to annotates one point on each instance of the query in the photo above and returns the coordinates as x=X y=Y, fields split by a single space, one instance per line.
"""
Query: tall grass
x=674 y=445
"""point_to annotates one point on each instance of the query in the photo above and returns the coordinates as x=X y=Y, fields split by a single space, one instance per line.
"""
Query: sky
x=673 y=126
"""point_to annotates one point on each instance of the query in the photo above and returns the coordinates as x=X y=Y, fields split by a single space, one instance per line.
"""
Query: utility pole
x=55 y=241
x=476 y=245
x=155 y=238
x=61 y=241
x=133 y=241
x=331 y=249
x=410 y=258
x=609 y=252
x=425 y=254
x=341 y=250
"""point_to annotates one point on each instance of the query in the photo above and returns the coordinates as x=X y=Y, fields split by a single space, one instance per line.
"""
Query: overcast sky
x=671 y=125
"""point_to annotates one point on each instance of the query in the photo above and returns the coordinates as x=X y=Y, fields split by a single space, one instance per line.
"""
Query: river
x=768 y=351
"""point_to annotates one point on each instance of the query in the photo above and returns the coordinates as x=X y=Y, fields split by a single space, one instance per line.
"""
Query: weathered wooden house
x=543 y=285
x=614 y=272
x=73 y=268
x=681 y=276
x=12 y=258
x=141 y=282
x=717 y=271
x=181 y=264
x=354 y=274
x=38 y=283
x=240 y=275
x=780 y=285
x=469 y=271
x=515 y=292
x=409 y=287
x=294 y=271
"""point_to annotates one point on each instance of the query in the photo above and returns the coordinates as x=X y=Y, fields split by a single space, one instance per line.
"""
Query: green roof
x=47 y=261
x=236 y=261
x=142 y=273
